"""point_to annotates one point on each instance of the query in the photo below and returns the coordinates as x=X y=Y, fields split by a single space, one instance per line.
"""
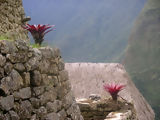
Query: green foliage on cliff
x=143 y=54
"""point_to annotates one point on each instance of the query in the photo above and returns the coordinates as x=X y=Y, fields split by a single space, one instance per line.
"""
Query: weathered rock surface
x=89 y=78
x=11 y=19
x=121 y=115
x=106 y=109
x=30 y=92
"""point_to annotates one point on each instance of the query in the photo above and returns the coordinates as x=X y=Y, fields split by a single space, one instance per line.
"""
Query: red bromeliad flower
x=38 y=31
x=113 y=89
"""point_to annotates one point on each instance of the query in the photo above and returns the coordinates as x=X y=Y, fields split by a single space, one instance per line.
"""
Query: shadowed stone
x=14 y=115
x=54 y=106
x=7 y=47
x=62 y=114
x=44 y=66
x=8 y=68
x=38 y=90
x=53 y=69
x=23 y=93
x=42 y=111
x=17 y=57
x=2 y=60
x=7 y=103
x=1 y=72
x=22 y=45
x=36 y=78
x=26 y=78
x=19 y=66
x=24 y=109
x=61 y=65
x=67 y=100
x=35 y=102
x=34 y=62
x=48 y=96
x=52 y=116
x=17 y=80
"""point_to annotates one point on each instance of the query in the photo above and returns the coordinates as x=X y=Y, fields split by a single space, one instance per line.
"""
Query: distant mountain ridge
x=87 y=30
x=142 y=58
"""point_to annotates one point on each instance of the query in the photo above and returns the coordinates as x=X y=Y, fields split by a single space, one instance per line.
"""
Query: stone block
x=62 y=114
x=44 y=66
x=14 y=115
x=18 y=57
x=17 y=80
x=63 y=75
x=24 y=109
x=35 y=102
x=7 y=103
x=23 y=93
x=35 y=78
x=42 y=111
x=2 y=60
x=48 y=96
x=26 y=78
x=61 y=65
x=38 y=90
x=1 y=73
x=54 y=106
x=8 y=68
x=19 y=67
x=51 y=116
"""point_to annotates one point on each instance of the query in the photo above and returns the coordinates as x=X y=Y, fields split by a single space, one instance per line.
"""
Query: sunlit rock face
x=89 y=78
x=12 y=17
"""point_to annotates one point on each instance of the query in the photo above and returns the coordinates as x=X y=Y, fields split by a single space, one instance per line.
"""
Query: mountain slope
x=87 y=30
x=143 y=54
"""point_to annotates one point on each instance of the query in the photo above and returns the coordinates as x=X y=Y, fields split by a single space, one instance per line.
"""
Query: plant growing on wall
x=113 y=90
x=38 y=31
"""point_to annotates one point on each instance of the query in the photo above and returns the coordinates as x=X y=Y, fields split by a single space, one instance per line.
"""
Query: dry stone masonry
x=12 y=17
x=106 y=109
x=34 y=84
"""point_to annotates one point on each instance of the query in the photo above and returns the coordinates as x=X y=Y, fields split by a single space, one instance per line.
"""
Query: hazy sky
x=86 y=30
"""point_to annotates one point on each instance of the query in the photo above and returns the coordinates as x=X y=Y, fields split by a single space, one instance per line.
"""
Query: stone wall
x=12 y=17
x=106 y=109
x=34 y=84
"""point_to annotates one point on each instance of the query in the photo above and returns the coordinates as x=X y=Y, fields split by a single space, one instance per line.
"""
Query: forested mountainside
x=87 y=30
x=143 y=53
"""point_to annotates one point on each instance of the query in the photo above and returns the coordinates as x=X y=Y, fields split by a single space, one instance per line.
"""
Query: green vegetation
x=143 y=54
x=37 y=45
x=3 y=37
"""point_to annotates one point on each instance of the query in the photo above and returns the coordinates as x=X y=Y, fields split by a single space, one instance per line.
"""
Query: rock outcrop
x=12 y=17
x=89 y=78
x=106 y=109
x=34 y=84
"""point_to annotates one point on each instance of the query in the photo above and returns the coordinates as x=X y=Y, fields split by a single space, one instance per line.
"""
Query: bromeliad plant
x=38 y=31
x=113 y=90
